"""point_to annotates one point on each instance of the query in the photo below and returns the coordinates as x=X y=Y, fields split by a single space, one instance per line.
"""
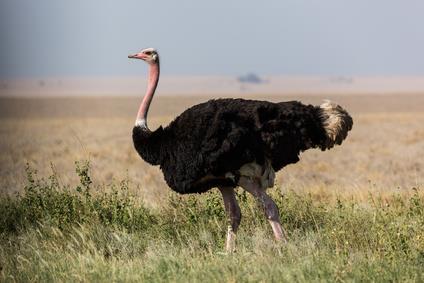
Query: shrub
x=46 y=201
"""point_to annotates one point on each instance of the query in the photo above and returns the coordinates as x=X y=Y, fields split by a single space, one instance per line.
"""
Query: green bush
x=48 y=202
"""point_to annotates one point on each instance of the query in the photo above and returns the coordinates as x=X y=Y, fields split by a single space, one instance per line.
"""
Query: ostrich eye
x=148 y=52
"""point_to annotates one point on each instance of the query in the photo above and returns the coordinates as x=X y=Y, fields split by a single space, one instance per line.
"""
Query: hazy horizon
x=212 y=86
x=48 y=38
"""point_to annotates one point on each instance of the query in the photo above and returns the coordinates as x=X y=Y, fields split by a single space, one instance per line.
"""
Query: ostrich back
x=209 y=140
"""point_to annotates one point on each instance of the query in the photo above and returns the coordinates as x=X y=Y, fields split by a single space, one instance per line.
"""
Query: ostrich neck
x=154 y=70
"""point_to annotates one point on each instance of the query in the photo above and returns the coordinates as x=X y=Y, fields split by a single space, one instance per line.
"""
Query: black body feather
x=208 y=140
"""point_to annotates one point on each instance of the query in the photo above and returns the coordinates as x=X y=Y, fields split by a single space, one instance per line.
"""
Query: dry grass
x=380 y=155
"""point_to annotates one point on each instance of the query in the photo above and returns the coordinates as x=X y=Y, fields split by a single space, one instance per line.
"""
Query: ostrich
x=226 y=143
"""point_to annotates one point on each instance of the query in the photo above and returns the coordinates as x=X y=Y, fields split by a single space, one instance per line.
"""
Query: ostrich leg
x=233 y=211
x=269 y=206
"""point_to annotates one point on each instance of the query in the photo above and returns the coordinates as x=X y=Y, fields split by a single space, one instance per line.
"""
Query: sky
x=92 y=38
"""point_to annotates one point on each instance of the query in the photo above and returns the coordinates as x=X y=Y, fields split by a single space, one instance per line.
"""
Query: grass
x=55 y=232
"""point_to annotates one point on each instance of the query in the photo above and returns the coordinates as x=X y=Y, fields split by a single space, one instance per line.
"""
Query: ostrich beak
x=137 y=56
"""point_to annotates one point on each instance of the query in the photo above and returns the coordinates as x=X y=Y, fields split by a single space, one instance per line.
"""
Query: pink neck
x=154 y=71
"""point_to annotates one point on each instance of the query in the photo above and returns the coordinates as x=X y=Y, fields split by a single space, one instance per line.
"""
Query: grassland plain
x=354 y=213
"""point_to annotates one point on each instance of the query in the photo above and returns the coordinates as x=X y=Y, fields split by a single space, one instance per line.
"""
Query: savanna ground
x=355 y=213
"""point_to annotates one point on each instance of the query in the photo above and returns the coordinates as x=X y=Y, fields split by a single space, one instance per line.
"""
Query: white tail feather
x=336 y=122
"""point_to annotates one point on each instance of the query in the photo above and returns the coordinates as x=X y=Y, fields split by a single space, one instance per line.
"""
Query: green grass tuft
x=54 y=232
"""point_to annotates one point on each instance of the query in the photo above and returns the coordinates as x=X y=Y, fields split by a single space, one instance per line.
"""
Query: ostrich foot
x=230 y=243
x=279 y=233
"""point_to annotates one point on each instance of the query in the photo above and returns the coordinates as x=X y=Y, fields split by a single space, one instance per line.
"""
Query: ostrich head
x=149 y=55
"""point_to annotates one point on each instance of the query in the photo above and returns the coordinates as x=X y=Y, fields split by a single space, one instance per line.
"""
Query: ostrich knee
x=235 y=217
x=231 y=206
x=271 y=209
